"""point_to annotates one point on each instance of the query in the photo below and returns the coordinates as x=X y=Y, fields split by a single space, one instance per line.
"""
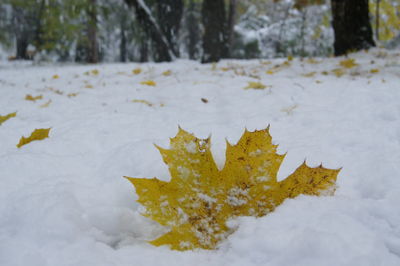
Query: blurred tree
x=386 y=18
x=214 y=22
x=192 y=23
x=351 y=25
x=162 y=31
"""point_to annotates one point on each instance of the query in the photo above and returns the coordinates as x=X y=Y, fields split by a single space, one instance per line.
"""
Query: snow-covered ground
x=63 y=200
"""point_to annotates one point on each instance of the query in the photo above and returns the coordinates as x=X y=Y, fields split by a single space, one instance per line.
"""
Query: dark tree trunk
x=169 y=15
x=93 y=53
x=164 y=50
x=230 y=29
x=122 y=46
x=192 y=22
x=22 y=48
x=213 y=14
x=351 y=25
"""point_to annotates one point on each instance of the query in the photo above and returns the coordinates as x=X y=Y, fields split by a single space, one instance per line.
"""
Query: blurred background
x=92 y=31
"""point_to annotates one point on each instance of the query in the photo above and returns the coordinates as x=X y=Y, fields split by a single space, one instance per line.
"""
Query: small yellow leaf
x=348 y=63
x=137 y=71
x=74 y=94
x=225 y=69
x=167 y=73
x=94 y=72
x=312 y=61
x=374 y=71
x=290 y=58
x=29 y=97
x=6 y=117
x=270 y=72
x=325 y=73
x=338 y=72
x=46 y=104
x=142 y=101
x=148 y=83
x=256 y=86
x=37 y=134
x=89 y=86
x=56 y=76
x=199 y=199
x=310 y=75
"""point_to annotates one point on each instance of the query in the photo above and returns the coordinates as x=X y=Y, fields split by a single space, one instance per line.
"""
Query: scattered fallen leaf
x=270 y=72
x=167 y=73
x=74 y=94
x=204 y=100
x=256 y=86
x=46 y=104
x=199 y=199
x=37 y=134
x=56 y=91
x=94 y=72
x=137 y=71
x=374 y=71
x=310 y=75
x=6 y=117
x=89 y=86
x=348 y=63
x=148 y=83
x=338 y=72
x=142 y=101
x=29 y=97
x=289 y=110
x=290 y=58
x=56 y=76
x=312 y=61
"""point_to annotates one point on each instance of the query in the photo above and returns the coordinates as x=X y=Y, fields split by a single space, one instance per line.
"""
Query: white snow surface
x=63 y=200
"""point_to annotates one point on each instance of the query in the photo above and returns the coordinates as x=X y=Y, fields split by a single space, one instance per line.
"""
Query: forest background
x=147 y=30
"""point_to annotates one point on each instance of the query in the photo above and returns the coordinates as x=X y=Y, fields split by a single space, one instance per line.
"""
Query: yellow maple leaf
x=348 y=63
x=148 y=83
x=37 y=134
x=4 y=118
x=198 y=200
x=29 y=97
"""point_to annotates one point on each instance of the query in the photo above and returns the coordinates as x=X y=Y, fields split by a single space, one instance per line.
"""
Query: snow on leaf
x=6 y=117
x=148 y=83
x=29 y=97
x=37 y=134
x=200 y=198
